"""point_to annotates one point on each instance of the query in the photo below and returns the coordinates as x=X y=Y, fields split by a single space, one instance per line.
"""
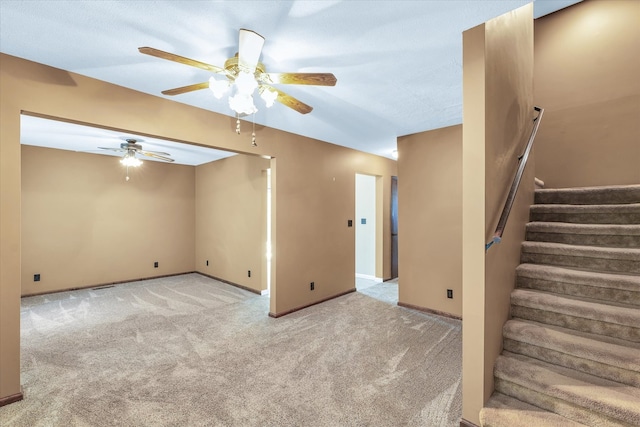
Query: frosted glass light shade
x=242 y=104
x=269 y=96
x=246 y=83
x=218 y=87
x=131 y=160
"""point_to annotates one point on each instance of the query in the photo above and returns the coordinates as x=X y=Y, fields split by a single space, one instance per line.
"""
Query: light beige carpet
x=191 y=351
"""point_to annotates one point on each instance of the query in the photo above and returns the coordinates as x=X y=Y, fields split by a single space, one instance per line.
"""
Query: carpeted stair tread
x=614 y=194
x=612 y=235
x=576 y=308
x=591 y=278
x=581 y=315
x=561 y=227
x=615 y=362
x=505 y=411
x=631 y=254
x=623 y=260
x=602 y=338
x=589 y=398
x=587 y=214
x=621 y=288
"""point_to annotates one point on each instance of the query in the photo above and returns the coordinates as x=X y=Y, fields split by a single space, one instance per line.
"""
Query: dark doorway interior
x=394 y=227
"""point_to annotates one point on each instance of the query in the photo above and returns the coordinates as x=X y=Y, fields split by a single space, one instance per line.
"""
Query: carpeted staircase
x=572 y=348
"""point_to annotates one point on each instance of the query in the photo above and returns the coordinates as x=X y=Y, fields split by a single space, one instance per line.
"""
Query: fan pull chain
x=253 y=134
x=238 y=124
x=127 y=177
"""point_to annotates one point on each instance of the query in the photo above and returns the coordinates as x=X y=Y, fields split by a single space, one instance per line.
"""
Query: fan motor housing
x=233 y=68
x=130 y=146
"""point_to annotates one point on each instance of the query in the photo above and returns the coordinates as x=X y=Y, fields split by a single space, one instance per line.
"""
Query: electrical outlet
x=248 y=273
x=312 y=286
x=155 y=264
x=449 y=293
x=36 y=277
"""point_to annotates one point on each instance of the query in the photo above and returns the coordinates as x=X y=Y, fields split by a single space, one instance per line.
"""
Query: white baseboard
x=368 y=277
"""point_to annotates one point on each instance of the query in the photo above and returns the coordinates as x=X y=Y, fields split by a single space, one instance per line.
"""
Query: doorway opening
x=268 y=243
x=79 y=210
x=394 y=227
x=366 y=222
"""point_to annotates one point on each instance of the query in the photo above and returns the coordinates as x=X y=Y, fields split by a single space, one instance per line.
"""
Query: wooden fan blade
x=185 y=89
x=316 y=79
x=292 y=102
x=249 y=49
x=155 y=156
x=181 y=59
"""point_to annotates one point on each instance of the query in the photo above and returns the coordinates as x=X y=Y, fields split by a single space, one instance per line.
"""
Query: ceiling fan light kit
x=130 y=160
x=242 y=75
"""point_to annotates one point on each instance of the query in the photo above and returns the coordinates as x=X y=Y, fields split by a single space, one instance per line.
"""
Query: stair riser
x=593 y=197
x=602 y=370
x=580 y=290
x=494 y=423
x=612 y=241
x=608 y=265
x=559 y=406
x=505 y=411
x=586 y=218
x=597 y=327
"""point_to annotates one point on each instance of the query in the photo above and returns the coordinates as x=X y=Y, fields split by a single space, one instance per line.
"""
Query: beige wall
x=430 y=208
x=473 y=222
x=587 y=63
x=313 y=242
x=313 y=185
x=9 y=241
x=231 y=219
x=498 y=114
x=84 y=225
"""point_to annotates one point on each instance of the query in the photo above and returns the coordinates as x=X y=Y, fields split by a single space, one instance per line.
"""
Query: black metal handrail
x=502 y=223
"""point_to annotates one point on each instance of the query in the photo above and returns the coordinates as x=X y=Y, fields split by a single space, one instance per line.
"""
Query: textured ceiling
x=398 y=63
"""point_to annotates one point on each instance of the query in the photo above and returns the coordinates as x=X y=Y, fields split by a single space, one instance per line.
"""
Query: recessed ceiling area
x=398 y=64
x=49 y=133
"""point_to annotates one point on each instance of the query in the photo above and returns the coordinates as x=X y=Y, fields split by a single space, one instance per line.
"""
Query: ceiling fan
x=131 y=148
x=242 y=74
